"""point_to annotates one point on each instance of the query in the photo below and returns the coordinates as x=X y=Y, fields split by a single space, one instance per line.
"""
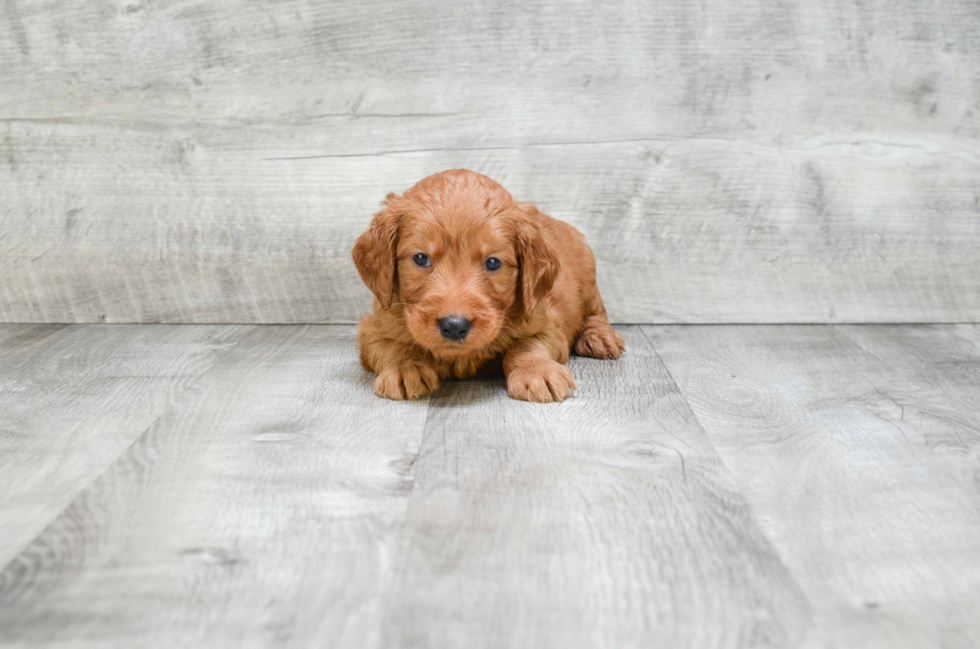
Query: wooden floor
x=719 y=486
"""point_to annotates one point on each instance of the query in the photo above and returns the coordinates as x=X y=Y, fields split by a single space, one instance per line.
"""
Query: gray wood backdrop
x=756 y=161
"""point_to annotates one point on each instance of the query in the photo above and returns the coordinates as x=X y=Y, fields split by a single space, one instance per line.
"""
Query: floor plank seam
x=402 y=543
x=802 y=520
x=109 y=465
x=653 y=346
x=749 y=505
x=854 y=341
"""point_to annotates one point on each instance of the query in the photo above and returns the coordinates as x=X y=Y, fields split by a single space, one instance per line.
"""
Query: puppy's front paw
x=409 y=380
x=542 y=382
x=600 y=341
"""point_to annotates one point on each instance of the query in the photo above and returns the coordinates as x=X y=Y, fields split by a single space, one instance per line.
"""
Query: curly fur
x=526 y=317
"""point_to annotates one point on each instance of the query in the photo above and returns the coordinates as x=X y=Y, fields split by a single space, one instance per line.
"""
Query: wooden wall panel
x=749 y=162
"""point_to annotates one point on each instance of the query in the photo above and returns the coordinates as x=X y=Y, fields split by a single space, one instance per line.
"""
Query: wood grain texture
x=947 y=359
x=73 y=398
x=607 y=520
x=260 y=510
x=819 y=491
x=213 y=162
x=864 y=477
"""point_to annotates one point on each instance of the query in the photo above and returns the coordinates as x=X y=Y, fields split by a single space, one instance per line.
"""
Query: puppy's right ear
x=374 y=252
x=538 y=260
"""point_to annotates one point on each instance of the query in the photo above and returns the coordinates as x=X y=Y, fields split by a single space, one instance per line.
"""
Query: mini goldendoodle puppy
x=467 y=279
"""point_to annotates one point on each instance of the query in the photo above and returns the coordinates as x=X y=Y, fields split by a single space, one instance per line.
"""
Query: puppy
x=467 y=279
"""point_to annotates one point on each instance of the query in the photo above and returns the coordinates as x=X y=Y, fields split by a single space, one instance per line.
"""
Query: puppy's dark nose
x=454 y=327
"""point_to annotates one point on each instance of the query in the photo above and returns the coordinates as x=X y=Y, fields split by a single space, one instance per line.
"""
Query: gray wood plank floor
x=719 y=486
x=873 y=506
x=72 y=399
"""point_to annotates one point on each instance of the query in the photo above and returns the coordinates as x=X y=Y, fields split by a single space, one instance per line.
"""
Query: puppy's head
x=460 y=258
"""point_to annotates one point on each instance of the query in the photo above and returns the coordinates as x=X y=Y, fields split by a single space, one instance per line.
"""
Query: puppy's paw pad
x=544 y=382
x=600 y=341
x=406 y=381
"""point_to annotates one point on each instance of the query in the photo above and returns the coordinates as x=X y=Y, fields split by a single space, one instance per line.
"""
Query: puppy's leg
x=402 y=371
x=598 y=339
x=535 y=371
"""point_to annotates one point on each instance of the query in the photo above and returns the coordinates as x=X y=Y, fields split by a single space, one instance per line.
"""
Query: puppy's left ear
x=537 y=258
x=374 y=252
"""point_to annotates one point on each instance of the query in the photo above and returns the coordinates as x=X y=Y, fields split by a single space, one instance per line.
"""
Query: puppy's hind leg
x=598 y=339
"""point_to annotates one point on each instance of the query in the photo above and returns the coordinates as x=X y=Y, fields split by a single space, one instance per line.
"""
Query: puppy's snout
x=454 y=327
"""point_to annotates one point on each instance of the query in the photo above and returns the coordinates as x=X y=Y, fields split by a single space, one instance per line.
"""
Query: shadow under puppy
x=465 y=277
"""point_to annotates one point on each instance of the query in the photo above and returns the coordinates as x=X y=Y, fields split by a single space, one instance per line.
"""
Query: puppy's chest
x=488 y=366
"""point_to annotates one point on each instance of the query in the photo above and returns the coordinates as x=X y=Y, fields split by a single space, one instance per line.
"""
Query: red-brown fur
x=526 y=316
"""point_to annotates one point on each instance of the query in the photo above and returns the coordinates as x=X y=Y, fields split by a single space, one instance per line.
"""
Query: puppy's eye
x=422 y=260
x=493 y=264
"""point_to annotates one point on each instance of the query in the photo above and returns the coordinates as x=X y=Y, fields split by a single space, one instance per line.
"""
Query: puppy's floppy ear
x=538 y=260
x=374 y=252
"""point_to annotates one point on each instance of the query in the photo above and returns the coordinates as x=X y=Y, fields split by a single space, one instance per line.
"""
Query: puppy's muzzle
x=454 y=327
